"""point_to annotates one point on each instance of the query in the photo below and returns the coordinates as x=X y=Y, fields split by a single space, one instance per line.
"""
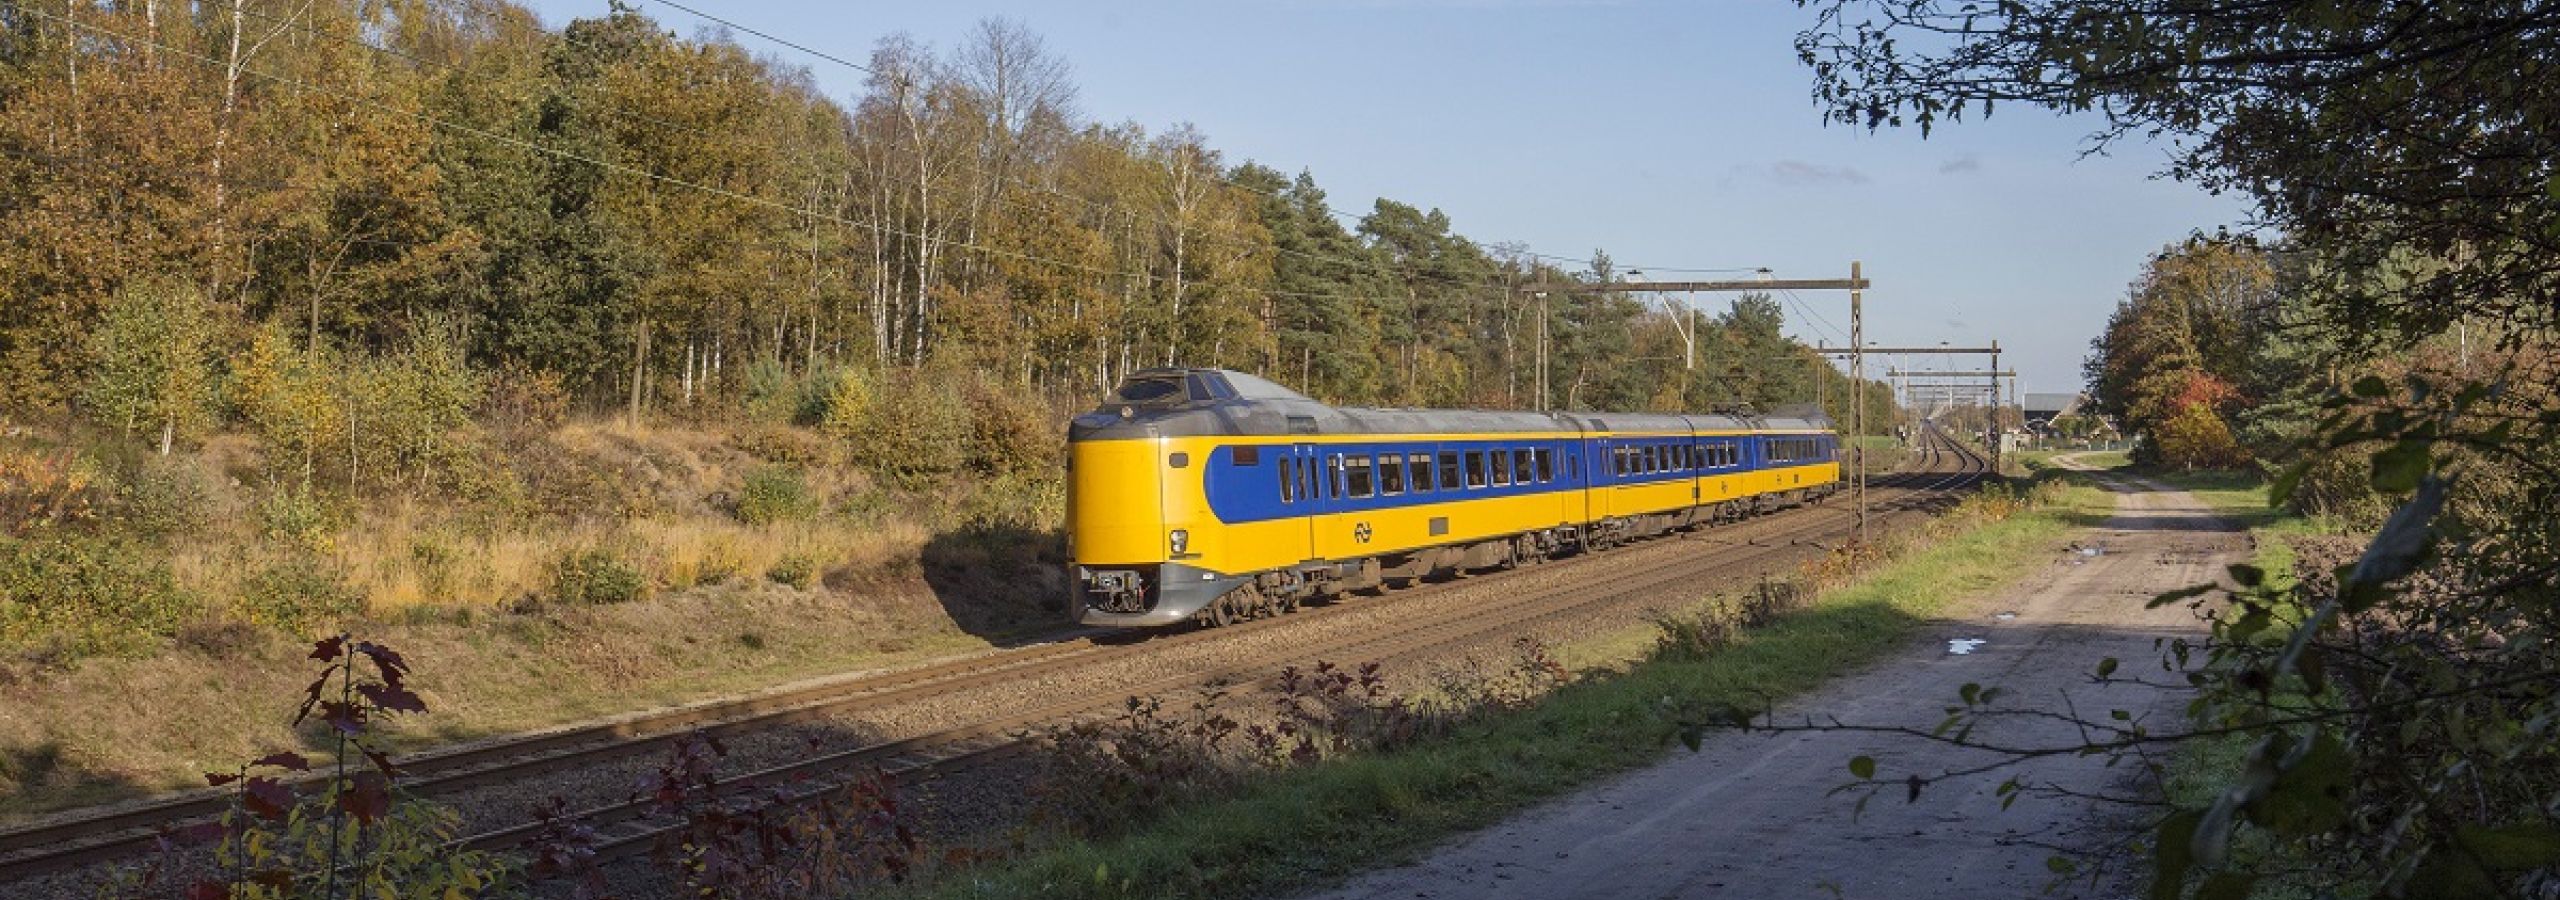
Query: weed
x=1101 y=777
x=347 y=834
x=775 y=494
x=87 y=595
x=40 y=490
x=794 y=569
x=162 y=497
x=298 y=594
x=297 y=515
x=764 y=841
x=595 y=576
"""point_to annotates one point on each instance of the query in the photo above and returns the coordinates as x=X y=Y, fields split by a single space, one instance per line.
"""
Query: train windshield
x=1151 y=390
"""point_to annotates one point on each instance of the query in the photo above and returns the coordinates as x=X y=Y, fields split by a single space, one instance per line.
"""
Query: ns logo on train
x=1210 y=495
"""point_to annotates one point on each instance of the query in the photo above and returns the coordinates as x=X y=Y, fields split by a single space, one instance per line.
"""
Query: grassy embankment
x=582 y=571
x=1302 y=826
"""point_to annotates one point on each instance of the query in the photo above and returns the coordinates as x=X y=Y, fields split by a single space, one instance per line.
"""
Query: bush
x=407 y=404
x=794 y=569
x=297 y=515
x=596 y=576
x=2339 y=485
x=163 y=497
x=916 y=434
x=1010 y=433
x=849 y=397
x=39 y=490
x=771 y=394
x=524 y=398
x=299 y=596
x=774 y=494
x=715 y=561
x=87 y=595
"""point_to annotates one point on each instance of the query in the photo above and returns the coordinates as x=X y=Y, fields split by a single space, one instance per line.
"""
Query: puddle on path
x=1964 y=646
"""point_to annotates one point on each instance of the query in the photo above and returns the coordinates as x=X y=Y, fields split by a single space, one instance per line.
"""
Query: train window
x=1288 y=481
x=1449 y=470
x=1421 y=465
x=1155 y=390
x=1697 y=456
x=1356 y=472
x=1546 y=465
x=1333 y=473
x=1498 y=467
x=1248 y=456
x=1475 y=468
x=1524 y=467
x=1390 y=475
x=1652 y=458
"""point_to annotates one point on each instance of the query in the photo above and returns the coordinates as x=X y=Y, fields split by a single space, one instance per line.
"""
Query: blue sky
x=1671 y=134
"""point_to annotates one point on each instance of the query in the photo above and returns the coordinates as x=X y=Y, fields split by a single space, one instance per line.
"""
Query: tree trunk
x=639 y=369
x=231 y=69
x=71 y=60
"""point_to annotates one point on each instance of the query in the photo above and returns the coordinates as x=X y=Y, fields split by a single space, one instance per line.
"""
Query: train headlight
x=1180 y=540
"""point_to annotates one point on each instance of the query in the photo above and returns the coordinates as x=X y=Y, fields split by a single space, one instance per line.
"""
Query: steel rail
x=124 y=831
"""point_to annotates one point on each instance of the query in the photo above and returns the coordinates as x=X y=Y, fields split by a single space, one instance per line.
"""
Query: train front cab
x=1136 y=532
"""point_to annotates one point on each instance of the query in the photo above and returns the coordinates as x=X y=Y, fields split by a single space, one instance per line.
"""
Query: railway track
x=625 y=828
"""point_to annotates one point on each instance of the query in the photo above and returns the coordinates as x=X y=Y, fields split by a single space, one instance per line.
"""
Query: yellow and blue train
x=1211 y=495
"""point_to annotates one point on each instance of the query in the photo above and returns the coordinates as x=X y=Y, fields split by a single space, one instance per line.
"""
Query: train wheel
x=1222 y=612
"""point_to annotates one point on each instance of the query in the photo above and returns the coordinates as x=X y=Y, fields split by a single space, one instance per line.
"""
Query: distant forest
x=629 y=220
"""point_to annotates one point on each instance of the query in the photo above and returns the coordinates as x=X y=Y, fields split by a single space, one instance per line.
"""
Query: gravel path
x=1751 y=815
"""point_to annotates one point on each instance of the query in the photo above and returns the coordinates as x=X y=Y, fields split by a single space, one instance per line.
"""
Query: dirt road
x=1748 y=816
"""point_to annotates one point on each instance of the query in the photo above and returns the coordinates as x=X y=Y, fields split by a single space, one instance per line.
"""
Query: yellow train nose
x=1115 y=503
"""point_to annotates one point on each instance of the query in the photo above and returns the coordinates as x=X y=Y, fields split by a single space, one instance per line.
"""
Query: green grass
x=1305 y=826
x=2199 y=771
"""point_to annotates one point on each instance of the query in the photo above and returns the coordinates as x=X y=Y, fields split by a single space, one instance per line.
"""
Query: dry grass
x=115 y=727
x=889 y=579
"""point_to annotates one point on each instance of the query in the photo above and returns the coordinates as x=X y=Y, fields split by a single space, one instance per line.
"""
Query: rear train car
x=1203 y=494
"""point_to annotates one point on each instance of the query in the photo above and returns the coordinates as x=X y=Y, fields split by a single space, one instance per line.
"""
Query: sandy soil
x=1752 y=815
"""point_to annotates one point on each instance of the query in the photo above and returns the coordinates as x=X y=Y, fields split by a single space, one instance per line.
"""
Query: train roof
x=1185 y=402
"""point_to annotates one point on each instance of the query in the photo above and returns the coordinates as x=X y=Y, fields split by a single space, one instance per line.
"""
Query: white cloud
x=1800 y=173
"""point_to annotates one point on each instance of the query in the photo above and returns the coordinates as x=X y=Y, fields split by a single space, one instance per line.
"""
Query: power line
x=1828 y=330
x=635 y=171
x=1106 y=207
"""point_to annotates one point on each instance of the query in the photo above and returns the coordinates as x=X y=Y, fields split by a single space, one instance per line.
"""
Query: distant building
x=2042 y=409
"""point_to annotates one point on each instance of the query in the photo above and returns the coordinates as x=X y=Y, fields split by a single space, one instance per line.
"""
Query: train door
x=1309 y=486
x=1604 y=478
x=1577 y=498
